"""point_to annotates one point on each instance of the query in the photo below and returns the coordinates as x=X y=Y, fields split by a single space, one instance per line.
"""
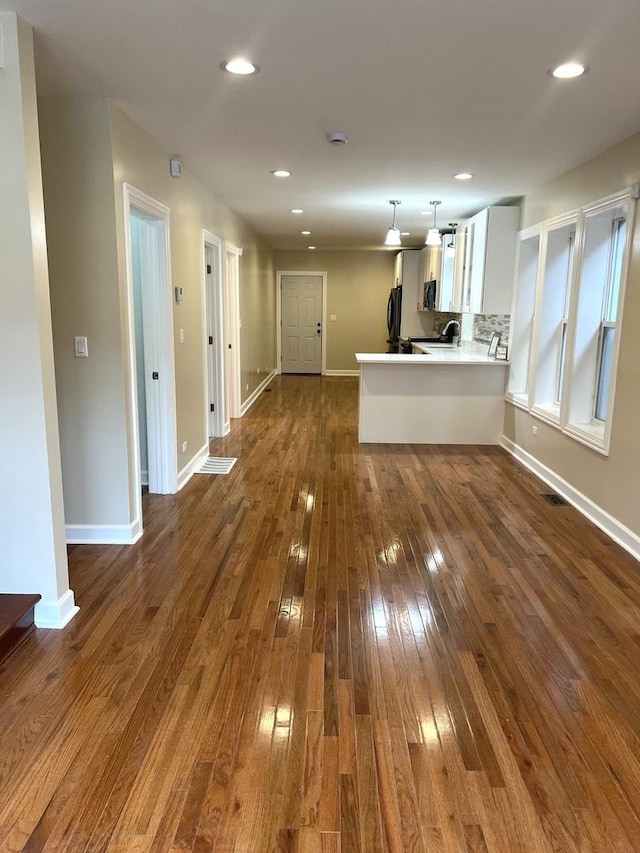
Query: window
x=523 y=316
x=598 y=301
x=566 y=318
x=552 y=331
x=609 y=314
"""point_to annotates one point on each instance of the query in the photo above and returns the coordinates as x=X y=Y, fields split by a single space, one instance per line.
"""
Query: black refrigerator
x=394 y=313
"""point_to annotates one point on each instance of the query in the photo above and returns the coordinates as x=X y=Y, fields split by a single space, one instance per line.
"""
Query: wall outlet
x=246 y=387
x=181 y=336
x=333 y=316
x=185 y=444
x=534 y=430
x=258 y=371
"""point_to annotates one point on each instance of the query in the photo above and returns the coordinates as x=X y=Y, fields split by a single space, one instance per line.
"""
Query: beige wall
x=33 y=557
x=612 y=482
x=79 y=197
x=358 y=285
x=91 y=148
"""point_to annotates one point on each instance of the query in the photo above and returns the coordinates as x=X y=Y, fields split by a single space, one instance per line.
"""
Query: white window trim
x=597 y=434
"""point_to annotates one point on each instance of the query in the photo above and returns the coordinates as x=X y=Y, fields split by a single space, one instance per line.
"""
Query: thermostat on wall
x=175 y=167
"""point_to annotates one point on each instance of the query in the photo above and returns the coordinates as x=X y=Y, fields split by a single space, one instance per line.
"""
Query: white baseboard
x=626 y=538
x=104 y=534
x=192 y=466
x=251 y=400
x=55 y=614
x=342 y=373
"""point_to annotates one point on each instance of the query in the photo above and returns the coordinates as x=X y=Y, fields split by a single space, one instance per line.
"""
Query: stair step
x=16 y=621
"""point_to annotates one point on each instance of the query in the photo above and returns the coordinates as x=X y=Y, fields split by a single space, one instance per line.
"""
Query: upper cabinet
x=489 y=260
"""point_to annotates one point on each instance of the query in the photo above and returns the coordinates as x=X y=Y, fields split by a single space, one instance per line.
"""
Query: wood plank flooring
x=334 y=648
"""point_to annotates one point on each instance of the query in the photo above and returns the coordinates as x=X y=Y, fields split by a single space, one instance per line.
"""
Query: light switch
x=181 y=336
x=80 y=347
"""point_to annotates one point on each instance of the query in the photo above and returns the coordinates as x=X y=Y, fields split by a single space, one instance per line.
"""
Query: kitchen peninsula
x=445 y=395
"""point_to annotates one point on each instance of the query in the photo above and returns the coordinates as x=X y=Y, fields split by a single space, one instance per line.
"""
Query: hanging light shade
x=434 y=237
x=450 y=250
x=393 y=234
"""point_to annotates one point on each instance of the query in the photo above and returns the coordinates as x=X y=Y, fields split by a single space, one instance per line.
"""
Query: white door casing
x=301 y=326
x=232 y=324
x=216 y=421
x=158 y=339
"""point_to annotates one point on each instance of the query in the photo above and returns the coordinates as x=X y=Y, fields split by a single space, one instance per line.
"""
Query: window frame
x=589 y=430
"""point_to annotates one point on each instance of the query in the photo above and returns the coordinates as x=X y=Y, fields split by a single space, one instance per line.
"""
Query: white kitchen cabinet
x=489 y=260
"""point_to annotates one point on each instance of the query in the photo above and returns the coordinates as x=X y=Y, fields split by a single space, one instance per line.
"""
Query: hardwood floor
x=334 y=648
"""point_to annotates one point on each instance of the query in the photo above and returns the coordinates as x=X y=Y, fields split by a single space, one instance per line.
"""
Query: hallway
x=334 y=648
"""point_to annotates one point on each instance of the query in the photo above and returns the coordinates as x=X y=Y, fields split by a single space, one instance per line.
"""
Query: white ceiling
x=422 y=89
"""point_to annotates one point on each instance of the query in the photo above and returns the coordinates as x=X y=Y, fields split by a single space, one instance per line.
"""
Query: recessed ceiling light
x=463 y=176
x=297 y=210
x=426 y=213
x=281 y=173
x=239 y=65
x=405 y=233
x=306 y=233
x=568 y=70
x=310 y=247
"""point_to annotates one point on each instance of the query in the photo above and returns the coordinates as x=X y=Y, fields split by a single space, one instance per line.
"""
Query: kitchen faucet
x=445 y=333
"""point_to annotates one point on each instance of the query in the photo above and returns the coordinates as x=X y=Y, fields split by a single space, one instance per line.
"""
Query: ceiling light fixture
x=405 y=233
x=463 y=176
x=450 y=251
x=393 y=234
x=239 y=65
x=306 y=233
x=426 y=213
x=568 y=70
x=297 y=210
x=310 y=247
x=433 y=234
x=281 y=173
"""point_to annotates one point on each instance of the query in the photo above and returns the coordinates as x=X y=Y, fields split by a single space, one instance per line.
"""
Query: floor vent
x=555 y=500
x=217 y=465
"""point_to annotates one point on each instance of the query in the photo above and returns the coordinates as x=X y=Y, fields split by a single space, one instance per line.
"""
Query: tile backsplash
x=484 y=325
x=477 y=327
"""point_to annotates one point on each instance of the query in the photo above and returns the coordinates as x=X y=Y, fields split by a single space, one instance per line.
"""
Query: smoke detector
x=337 y=138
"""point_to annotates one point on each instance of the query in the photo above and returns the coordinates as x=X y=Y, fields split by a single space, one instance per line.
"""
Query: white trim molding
x=104 y=534
x=342 y=373
x=192 y=466
x=626 y=538
x=55 y=614
x=254 y=396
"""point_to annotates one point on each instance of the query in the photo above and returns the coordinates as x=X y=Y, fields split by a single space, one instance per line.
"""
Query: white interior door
x=232 y=323
x=215 y=417
x=301 y=335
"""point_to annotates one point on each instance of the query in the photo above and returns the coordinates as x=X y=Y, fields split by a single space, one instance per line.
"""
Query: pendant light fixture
x=450 y=251
x=433 y=234
x=393 y=234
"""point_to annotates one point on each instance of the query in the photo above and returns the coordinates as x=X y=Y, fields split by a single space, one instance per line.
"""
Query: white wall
x=33 y=556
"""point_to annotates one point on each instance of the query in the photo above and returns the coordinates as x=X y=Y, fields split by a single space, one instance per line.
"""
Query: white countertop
x=466 y=354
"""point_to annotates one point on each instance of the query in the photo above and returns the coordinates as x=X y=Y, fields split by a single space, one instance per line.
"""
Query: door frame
x=323 y=341
x=216 y=422
x=232 y=324
x=160 y=324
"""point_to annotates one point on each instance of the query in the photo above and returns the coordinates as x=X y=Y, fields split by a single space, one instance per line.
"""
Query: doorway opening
x=216 y=411
x=301 y=319
x=152 y=409
x=232 y=329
